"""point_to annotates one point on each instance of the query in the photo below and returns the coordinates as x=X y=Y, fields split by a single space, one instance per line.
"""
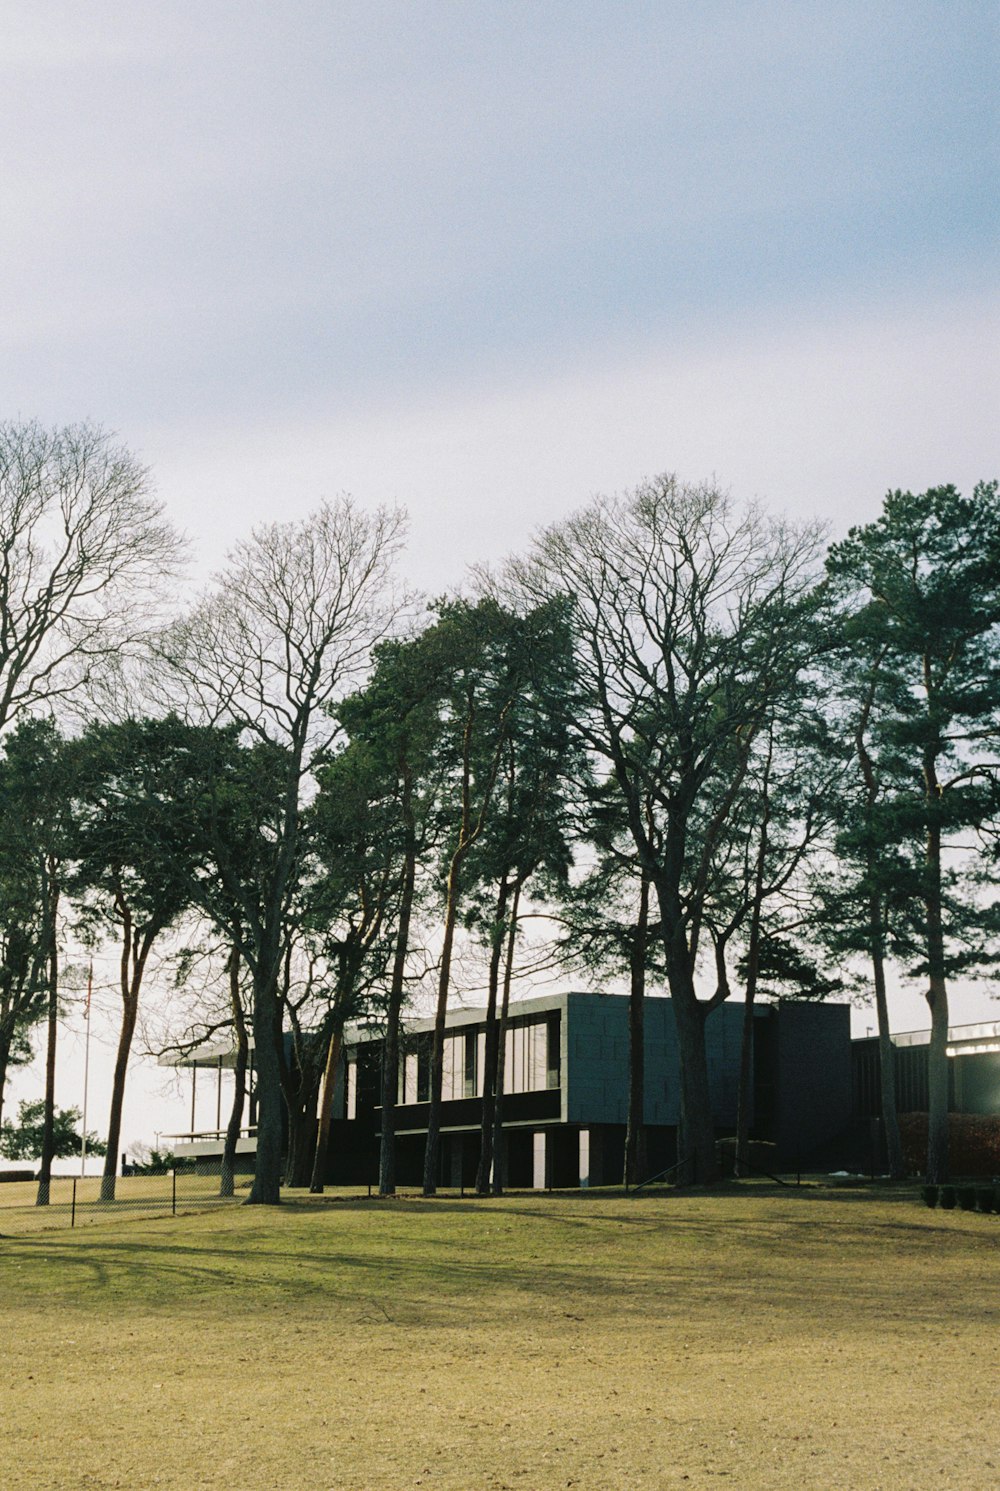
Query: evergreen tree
x=394 y=725
x=922 y=585
x=133 y=851
x=34 y=1131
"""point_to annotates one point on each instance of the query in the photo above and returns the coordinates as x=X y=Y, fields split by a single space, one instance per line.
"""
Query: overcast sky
x=485 y=259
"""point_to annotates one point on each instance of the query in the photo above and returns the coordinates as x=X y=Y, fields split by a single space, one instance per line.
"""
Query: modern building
x=566 y=1087
x=973 y=1071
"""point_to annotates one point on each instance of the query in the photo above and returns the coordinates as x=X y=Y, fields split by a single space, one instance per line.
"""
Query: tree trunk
x=125 y=1035
x=876 y=948
x=696 y=1131
x=937 y=1083
x=467 y=836
x=390 y=1051
x=266 y=1188
x=4 y=1063
x=333 y=1051
x=886 y=1049
x=635 y=1132
x=744 y=1102
x=135 y=950
x=937 y=1054
x=744 y=1099
x=499 y=1147
x=491 y=1047
x=48 y=1125
x=432 y=1150
x=302 y=1129
x=696 y=1162
x=937 y=991
x=227 y=1179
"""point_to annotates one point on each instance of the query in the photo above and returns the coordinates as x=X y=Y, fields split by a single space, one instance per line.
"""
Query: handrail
x=194 y=1135
x=744 y=1164
x=631 y=1190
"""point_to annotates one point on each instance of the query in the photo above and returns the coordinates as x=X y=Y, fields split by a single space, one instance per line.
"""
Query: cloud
x=302 y=208
x=817 y=418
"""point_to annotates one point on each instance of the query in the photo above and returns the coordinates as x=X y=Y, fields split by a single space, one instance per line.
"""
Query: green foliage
x=23 y=1140
x=36 y=777
x=541 y=770
x=788 y=970
x=133 y=842
x=930 y=1195
x=918 y=683
x=144 y=1161
x=946 y=1198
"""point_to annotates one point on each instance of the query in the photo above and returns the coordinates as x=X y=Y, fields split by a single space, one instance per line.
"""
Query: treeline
x=694 y=746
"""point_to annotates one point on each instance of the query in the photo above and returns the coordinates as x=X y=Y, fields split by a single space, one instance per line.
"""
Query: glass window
x=510 y=1080
x=528 y=1057
x=539 y=1156
x=410 y=1078
x=449 y=1076
x=352 y=1089
x=552 y=1061
x=471 y=1064
x=537 y=1056
x=423 y=1069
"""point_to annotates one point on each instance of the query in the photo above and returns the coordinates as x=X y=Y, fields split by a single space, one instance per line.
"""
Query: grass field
x=77 y=1202
x=747 y=1338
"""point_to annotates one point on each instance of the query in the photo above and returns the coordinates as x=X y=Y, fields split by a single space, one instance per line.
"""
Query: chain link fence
x=89 y=1200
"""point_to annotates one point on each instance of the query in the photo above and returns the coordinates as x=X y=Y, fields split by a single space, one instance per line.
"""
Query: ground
x=748 y=1338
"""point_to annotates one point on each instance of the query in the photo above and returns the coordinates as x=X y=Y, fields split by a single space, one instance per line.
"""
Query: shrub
x=946 y=1198
x=985 y=1198
x=931 y=1195
x=973 y=1143
x=967 y=1198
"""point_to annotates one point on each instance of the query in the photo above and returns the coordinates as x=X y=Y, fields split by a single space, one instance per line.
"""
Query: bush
x=985 y=1198
x=145 y=1161
x=967 y=1198
x=973 y=1143
x=946 y=1198
x=931 y=1195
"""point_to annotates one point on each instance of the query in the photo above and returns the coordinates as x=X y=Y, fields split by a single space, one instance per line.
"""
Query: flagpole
x=86 y=1069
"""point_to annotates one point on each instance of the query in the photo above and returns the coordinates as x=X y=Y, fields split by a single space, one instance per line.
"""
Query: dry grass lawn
x=79 y=1202
x=750 y=1339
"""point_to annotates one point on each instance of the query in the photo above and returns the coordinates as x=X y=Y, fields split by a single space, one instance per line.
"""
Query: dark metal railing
x=661 y=1175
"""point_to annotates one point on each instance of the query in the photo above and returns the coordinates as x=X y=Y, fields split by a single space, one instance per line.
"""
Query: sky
x=484 y=260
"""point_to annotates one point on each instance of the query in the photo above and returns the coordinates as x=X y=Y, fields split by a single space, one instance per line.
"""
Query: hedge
x=973 y=1143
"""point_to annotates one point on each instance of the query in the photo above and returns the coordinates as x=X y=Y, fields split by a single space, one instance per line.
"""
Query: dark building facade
x=973 y=1071
x=566 y=1089
x=815 y=1091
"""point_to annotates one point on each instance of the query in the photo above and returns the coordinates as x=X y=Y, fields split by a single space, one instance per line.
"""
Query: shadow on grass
x=529 y=1257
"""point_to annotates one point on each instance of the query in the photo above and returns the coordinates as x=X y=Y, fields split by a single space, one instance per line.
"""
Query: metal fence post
x=173 y=1192
x=72 y=1211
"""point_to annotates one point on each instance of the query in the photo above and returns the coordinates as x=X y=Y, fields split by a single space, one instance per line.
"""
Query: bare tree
x=82 y=542
x=689 y=618
x=287 y=628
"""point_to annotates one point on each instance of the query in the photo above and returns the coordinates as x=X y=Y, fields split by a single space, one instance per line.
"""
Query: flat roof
x=963 y=1040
